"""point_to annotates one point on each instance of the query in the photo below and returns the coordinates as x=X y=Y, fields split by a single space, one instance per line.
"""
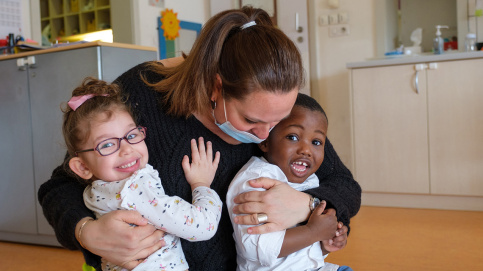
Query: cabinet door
x=455 y=109
x=51 y=83
x=390 y=130
x=17 y=192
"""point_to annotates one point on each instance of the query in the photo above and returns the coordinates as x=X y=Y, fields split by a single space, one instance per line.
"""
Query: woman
x=239 y=80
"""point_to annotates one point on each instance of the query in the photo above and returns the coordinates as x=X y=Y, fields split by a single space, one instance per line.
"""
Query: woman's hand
x=113 y=237
x=284 y=206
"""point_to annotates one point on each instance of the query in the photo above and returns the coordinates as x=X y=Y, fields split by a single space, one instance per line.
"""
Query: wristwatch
x=314 y=202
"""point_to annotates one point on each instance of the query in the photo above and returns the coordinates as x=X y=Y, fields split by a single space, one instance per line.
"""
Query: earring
x=213 y=104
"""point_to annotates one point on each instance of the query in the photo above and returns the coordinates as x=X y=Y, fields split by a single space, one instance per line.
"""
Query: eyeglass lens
x=111 y=145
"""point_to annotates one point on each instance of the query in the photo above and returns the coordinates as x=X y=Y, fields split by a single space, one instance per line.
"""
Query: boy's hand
x=202 y=169
x=323 y=223
x=338 y=242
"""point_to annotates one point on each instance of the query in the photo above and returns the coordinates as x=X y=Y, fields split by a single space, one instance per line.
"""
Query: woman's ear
x=78 y=166
x=217 y=89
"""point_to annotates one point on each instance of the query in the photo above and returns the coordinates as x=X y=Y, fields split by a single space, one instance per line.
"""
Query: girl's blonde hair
x=76 y=125
x=259 y=57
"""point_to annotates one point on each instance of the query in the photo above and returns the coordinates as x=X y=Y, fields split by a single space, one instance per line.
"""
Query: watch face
x=316 y=202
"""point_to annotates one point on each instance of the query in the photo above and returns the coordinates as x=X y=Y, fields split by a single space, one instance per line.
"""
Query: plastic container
x=11 y=43
x=470 y=42
x=438 y=42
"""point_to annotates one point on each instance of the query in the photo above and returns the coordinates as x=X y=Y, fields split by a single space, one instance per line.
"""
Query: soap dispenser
x=438 y=42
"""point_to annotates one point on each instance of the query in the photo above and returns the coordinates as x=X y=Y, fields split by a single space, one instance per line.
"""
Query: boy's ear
x=80 y=168
x=263 y=146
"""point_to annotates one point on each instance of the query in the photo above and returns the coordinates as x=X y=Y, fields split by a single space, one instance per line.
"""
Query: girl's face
x=120 y=164
x=296 y=144
x=258 y=112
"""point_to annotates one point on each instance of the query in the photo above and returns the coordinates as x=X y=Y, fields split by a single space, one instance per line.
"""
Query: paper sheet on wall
x=10 y=17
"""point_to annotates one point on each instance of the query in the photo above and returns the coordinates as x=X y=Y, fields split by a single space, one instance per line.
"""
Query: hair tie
x=247 y=25
x=77 y=101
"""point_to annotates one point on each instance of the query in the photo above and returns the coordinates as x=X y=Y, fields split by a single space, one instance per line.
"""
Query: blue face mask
x=227 y=128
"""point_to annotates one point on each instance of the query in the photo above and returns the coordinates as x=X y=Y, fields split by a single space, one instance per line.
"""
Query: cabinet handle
x=418 y=68
x=31 y=62
x=22 y=64
x=416 y=82
x=298 y=28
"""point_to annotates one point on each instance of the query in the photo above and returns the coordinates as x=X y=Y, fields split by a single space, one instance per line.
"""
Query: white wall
x=145 y=22
x=330 y=77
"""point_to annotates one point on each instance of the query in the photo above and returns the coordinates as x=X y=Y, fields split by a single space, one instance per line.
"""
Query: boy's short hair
x=309 y=103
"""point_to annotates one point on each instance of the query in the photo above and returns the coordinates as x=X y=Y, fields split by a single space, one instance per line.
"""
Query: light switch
x=343 y=18
x=333 y=19
x=323 y=20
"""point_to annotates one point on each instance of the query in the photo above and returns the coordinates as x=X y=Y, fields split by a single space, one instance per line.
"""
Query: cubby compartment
x=44 y=9
x=56 y=8
x=64 y=18
x=102 y=4
x=72 y=25
x=103 y=19
x=57 y=28
x=88 y=22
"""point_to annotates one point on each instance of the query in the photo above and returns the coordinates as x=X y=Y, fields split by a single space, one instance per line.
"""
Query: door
x=51 y=83
x=455 y=112
x=390 y=130
x=292 y=18
x=17 y=192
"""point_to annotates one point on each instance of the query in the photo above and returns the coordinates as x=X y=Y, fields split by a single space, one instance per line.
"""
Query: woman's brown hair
x=259 y=57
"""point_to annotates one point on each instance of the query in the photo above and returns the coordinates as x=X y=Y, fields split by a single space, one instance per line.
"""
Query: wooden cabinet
x=32 y=90
x=62 y=18
x=419 y=140
x=390 y=130
x=455 y=112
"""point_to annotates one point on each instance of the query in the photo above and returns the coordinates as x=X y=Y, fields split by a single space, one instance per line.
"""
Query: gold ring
x=262 y=218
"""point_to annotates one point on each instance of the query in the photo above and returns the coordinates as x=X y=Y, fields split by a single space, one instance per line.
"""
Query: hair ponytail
x=260 y=56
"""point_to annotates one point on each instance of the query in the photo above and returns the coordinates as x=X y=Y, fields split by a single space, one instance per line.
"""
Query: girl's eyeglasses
x=112 y=145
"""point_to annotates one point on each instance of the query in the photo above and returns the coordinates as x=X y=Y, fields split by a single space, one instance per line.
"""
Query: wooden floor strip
x=395 y=239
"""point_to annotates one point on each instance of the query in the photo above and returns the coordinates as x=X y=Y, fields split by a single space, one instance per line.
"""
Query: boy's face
x=120 y=164
x=296 y=144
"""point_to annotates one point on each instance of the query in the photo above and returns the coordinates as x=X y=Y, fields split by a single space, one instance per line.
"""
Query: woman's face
x=258 y=112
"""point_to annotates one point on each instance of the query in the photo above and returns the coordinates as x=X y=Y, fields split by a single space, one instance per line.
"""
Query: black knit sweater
x=168 y=140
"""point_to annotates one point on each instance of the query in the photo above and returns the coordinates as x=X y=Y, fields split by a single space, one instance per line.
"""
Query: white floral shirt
x=144 y=193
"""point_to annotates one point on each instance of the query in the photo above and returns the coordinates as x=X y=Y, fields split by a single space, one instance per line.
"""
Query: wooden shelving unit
x=72 y=17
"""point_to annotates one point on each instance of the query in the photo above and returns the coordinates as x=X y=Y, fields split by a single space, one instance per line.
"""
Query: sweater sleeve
x=63 y=207
x=337 y=186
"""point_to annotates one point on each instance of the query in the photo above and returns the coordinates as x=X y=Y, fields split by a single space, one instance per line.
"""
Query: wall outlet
x=339 y=30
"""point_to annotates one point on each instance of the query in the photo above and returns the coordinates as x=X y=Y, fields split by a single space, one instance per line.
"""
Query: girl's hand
x=113 y=237
x=284 y=206
x=202 y=169
x=339 y=241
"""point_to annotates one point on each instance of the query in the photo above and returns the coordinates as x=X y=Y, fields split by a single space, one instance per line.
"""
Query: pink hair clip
x=77 y=101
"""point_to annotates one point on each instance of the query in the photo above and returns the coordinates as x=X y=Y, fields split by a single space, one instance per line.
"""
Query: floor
x=381 y=239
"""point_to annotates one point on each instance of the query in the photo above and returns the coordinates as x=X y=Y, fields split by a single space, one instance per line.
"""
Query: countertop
x=66 y=46
x=413 y=59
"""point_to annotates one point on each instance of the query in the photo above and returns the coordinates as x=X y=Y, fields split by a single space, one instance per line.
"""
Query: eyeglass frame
x=142 y=129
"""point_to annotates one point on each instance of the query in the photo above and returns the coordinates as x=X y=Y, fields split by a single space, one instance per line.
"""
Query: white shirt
x=144 y=193
x=260 y=252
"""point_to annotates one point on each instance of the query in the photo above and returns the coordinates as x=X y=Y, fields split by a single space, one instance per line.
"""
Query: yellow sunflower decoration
x=170 y=24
